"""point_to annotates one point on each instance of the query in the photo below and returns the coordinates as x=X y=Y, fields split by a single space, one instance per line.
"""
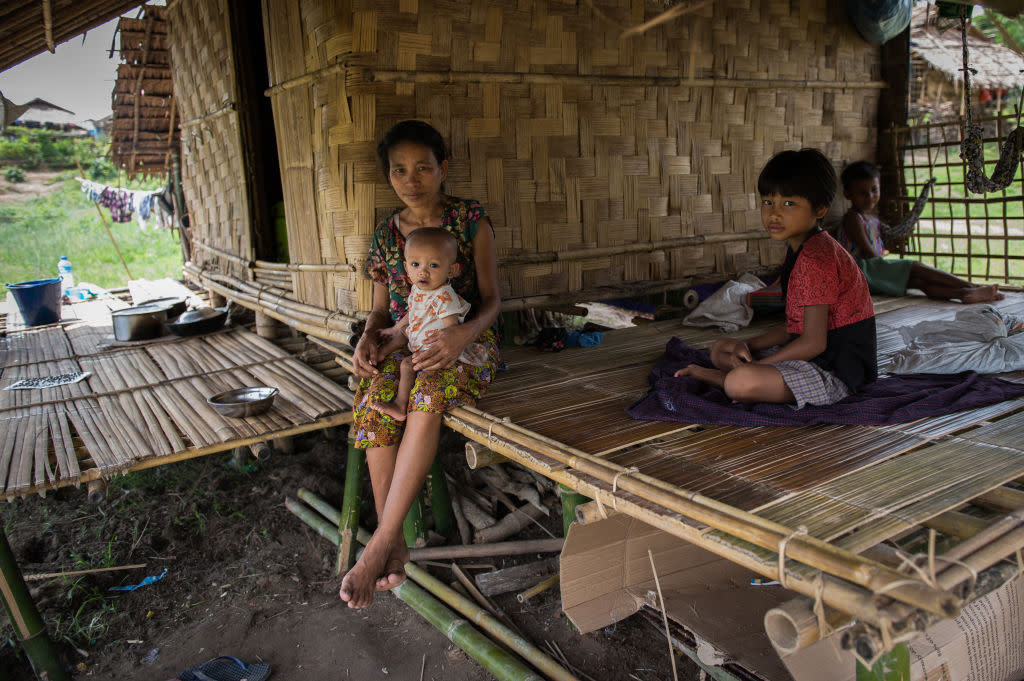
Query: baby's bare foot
x=391 y=409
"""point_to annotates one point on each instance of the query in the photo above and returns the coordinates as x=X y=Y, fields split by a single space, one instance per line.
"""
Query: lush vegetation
x=35 y=233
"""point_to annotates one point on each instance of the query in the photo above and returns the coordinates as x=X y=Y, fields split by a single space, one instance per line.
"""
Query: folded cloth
x=889 y=400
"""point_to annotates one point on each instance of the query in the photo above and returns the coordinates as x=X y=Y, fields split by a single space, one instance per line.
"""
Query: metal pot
x=139 y=322
x=175 y=306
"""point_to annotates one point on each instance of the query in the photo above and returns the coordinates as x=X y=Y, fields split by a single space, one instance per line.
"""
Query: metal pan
x=195 y=322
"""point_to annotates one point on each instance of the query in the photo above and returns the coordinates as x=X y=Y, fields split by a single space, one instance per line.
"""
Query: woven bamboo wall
x=212 y=174
x=577 y=143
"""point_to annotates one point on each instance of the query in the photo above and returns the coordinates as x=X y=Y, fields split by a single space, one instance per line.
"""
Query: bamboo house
x=611 y=167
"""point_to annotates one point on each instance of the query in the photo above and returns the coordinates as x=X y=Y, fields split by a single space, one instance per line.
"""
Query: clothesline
x=123 y=203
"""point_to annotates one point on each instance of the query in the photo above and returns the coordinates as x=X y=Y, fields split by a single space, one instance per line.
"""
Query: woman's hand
x=364 y=357
x=443 y=349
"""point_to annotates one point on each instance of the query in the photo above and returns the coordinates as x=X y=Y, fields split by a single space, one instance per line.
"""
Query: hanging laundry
x=119 y=201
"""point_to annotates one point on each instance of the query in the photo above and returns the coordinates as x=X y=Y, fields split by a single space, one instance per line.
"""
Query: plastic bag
x=727 y=307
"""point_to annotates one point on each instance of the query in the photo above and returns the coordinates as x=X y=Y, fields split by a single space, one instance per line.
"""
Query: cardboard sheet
x=606 y=577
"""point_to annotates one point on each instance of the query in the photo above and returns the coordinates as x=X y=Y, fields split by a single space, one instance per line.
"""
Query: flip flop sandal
x=226 y=668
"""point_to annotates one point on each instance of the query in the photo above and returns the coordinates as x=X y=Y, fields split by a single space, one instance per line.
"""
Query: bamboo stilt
x=25 y=619
x=440 y=500
x=413 y=529
x=571 y=499
x=348 y=523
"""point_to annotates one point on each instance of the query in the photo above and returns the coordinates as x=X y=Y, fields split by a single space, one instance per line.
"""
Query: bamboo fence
x=144 y=403
x=974 y=236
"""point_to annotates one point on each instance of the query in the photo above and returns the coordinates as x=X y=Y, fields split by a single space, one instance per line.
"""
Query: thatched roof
x=28 y=28
x=997 y=66
x=145 y=123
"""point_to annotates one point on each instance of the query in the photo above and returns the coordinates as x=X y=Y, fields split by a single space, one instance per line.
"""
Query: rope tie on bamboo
x=490 y=428
x=615 y=483
x=798 y=532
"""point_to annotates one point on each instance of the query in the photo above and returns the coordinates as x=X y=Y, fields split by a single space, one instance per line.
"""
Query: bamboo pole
x=24 y=617
x=506 y=548
x=538 y=588
x=571 y=500
x=744 y=525
x=627 y=81
x=440 y=500
x=625 y=249
x=107 y=226
x=478 y=456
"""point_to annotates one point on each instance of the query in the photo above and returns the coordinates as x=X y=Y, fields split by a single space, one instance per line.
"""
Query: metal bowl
x=194 y=322
x=243 y=401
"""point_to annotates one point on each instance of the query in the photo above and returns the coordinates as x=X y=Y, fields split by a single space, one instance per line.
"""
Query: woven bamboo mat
x=864 y=482
x=143 y=404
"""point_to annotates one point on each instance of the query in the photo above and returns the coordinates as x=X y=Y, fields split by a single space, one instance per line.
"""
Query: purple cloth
x=892 y=399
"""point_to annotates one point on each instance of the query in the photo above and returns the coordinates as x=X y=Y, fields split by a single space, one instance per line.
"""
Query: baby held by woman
x=430 y=260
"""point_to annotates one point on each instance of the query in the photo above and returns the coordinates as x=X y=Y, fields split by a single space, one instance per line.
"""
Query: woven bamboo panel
x=145 y=129
x=572 y=139
x=140 y=403
x=213 y=176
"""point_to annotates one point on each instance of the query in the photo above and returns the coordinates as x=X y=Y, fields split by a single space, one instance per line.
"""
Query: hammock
x=895 y=236
x=972 y=148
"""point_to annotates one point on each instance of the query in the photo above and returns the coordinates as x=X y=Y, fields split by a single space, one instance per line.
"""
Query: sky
x=78 y=76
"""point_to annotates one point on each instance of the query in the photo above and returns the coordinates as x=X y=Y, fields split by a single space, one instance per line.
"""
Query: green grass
x=34 y=234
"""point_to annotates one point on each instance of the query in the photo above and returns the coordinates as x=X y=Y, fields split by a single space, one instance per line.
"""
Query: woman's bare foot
x=394 y=569
x=982 y=294
x=391 y=409
x=712 y=376
x=359 y=583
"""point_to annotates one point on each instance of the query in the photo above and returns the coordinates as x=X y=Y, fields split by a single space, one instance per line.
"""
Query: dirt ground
x=36 y=184
x=244 y=577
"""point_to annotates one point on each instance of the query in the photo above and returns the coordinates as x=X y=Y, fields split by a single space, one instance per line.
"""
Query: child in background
x=860 y=234
x=430 y=255
x=827 y=346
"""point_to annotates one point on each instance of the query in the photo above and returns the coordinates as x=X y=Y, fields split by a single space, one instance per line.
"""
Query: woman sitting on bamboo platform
x=399 y=454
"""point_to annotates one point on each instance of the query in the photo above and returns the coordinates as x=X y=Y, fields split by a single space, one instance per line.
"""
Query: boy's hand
x=729 y=353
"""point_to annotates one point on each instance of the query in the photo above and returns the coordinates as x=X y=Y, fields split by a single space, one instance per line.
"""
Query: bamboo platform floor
x=145 y=403
x=563 y=414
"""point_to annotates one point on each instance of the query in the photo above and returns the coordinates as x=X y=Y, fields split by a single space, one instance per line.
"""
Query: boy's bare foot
x=394 y=569
x=712 y=376
x=359 y=583
x=391 y=409
x=982 y=294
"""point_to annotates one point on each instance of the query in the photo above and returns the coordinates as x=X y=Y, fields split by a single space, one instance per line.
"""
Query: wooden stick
x=513 y=578
x=465 y=533
x=507 y=548
x=509 y=525
x=73 y=573
x=107 y=226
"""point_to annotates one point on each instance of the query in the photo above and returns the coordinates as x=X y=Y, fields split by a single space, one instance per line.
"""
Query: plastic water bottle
x=67 y=278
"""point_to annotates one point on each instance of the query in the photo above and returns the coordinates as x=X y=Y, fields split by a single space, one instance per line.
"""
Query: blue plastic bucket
x=39 y=300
